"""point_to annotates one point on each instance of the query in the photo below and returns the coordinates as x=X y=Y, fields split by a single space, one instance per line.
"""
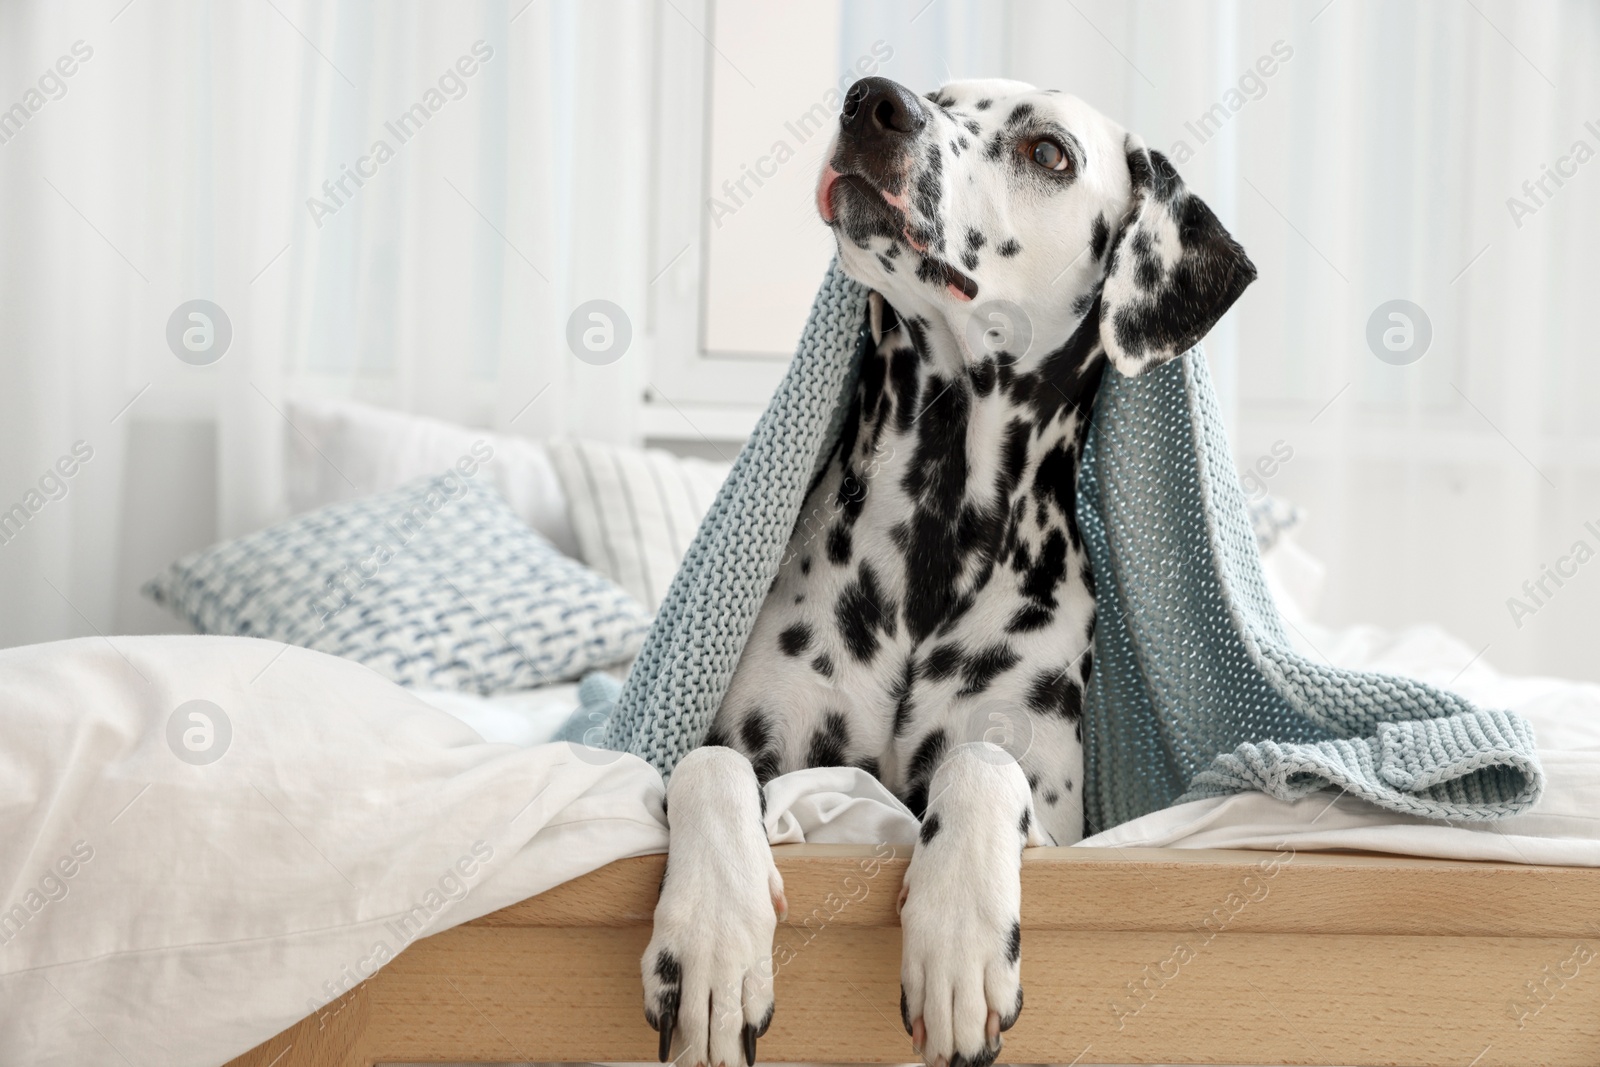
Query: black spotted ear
x=1172 y=272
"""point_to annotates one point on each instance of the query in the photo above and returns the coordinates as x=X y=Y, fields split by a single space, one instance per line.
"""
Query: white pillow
x=379 y=450
x=635 y=510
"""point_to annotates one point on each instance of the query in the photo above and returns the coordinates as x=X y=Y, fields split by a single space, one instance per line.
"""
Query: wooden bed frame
x=1129 y=956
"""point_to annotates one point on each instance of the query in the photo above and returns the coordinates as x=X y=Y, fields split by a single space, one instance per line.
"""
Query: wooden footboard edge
x=1129 y=956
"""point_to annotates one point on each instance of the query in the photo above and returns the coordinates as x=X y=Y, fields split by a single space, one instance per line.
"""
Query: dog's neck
x=1067 y=356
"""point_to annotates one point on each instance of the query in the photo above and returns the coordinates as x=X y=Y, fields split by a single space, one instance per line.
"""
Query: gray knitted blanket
x=1196 y=689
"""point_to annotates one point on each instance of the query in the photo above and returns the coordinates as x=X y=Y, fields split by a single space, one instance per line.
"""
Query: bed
x=230 y=902
x=376 y=874
x=1133 y=952
x=1131 y=956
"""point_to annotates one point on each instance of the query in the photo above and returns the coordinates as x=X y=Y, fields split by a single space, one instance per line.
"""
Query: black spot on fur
x=974 y=240
x=930 y=828
x=973 y=128
x=1014 y=943
x=924 y=761
x=983 y=374
x=1009 y=247
x=1100 y=237
x=862 y=613
x=1030 y=617
x=1053 y=692
x=1026 y=822
x=840 y=544
x=852 y=497
x=757 y=736
x=1014 y=457
x=795 y=639
x=984 y=104
x=766 y=766
x=829 y=742
x=805 y=564
x=664 y=1015
x=902 y=387
x=969 y=260
x=869 y=765
x=905 y=1012
x=756 y=733
x=936 y=481
x=1056 y=479
x=943 y=661
x=1045 y=571
x=715 y=738
x=925 y=197
x=984 y=666
x=1052 y=798
x=902 y=695
x=823 y=665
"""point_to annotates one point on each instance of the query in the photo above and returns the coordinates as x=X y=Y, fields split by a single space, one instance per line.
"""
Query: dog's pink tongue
x=825 y=191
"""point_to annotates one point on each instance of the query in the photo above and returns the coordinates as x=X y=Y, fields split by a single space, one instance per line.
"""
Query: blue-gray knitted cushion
x=436 y=584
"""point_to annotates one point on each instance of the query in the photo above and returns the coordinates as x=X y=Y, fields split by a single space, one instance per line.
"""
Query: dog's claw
x=749 y=1045
x=666 y=1037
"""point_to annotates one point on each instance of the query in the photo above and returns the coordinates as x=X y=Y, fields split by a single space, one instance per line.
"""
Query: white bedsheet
x=209 y=906
x=153 y=911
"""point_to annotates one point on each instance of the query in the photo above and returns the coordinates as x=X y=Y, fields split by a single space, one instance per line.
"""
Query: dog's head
x=997 y=191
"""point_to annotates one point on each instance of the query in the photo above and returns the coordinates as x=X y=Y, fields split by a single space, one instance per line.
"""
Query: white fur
x=719 y=906
x=962 y=896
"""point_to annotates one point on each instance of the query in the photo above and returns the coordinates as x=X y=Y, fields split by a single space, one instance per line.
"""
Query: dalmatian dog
x=932 y=620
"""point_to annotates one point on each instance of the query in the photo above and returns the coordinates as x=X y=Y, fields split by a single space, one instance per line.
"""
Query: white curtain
x=185 y=158
x=1373 y=163
x=1363 y=152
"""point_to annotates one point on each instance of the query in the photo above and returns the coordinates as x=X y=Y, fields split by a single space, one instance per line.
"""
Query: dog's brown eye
x=1049 y=155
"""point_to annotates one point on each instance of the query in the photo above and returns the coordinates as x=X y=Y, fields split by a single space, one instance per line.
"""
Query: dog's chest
x=934 y=591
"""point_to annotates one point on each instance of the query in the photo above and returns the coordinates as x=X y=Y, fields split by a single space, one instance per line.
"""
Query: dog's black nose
x=877 y=109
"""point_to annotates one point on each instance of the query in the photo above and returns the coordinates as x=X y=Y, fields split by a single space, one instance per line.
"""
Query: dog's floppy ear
x=1173 y=270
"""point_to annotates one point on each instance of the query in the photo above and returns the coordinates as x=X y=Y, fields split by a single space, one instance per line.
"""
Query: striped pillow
x=437 y=584
x=635 y=510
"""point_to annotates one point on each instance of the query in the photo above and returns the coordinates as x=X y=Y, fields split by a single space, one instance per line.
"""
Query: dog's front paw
x=708 y=969
x=960 y=917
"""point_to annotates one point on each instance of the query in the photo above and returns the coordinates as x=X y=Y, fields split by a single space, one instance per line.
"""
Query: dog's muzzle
x=881 y=125
x=878 y=127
